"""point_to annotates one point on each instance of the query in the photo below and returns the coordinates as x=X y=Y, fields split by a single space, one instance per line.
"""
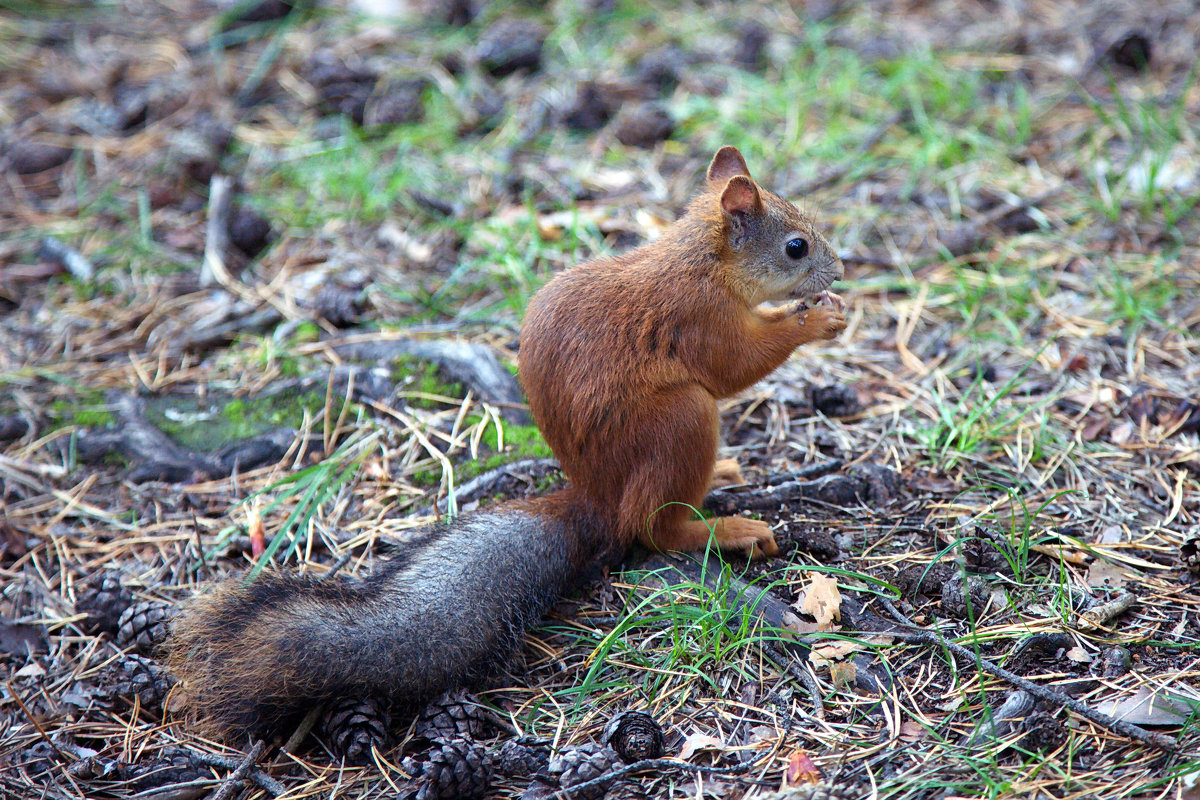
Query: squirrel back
x=447 y=611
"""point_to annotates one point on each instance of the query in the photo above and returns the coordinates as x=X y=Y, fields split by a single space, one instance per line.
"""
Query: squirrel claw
x=830 y=299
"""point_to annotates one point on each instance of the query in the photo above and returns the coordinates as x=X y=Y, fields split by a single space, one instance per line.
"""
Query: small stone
x=644 y=125
x=1116 y=661
x=30 y=158
x=509 y=45
x=591 y=110
x=1131 y=51
x=752 y=40
x=662 y=68
x=398 y=104
x=248 y=231
x=835 y=400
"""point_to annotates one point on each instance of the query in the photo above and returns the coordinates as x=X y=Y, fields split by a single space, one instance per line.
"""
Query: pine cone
x=144 y=626
x=104 y=600
x=634 y=735
x=454 y=715
x=1043 y=733
x=174 y=766
x=577 y=765
x=455 y=769
x=353 y=726
x=135 y=676
x=520 y=758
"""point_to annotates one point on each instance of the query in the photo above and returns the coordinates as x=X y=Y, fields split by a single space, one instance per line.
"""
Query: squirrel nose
x=839 y=268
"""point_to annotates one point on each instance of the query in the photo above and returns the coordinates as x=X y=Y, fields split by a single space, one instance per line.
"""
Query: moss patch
x=211 y=424
x=88 y=410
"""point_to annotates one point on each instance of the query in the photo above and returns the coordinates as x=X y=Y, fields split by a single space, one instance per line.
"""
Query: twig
x=37 y=726
x=484 y=482
x=68 y=257
x=216 y=233
x=235 y=779
x=468 y=363
x=1095 y=618
x=304 y=728
x=802 y=676
x=658 y=764
x=262 y=779
x=805 y=473
x=1050 y=696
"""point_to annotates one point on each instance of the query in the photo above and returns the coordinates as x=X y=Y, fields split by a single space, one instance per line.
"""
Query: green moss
x=520 y=442
x=422 y=377
x=212 y=423
x=88 y=410
x=248 y=416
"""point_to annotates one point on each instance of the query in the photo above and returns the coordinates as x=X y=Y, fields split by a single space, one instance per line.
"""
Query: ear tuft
x=727 y=163
x=741 y=196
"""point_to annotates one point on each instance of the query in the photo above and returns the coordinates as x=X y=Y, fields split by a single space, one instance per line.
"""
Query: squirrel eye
x=796 y=248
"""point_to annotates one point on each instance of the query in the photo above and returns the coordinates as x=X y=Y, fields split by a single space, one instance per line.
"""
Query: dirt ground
x=262 y=273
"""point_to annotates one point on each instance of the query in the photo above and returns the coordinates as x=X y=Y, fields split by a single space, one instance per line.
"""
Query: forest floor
x=235 y=239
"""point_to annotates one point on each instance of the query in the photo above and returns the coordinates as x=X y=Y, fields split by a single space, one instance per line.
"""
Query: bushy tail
x=446 y=611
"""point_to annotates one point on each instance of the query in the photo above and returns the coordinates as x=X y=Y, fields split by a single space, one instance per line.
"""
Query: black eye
x=796 y=249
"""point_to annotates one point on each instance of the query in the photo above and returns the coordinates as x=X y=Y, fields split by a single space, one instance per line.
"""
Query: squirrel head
x=776 y=248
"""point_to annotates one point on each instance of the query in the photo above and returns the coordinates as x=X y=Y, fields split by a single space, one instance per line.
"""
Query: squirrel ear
x=741 y=196
x=727 y=163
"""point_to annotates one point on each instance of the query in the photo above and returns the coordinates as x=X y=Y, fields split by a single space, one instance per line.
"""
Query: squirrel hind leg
x=725 y=472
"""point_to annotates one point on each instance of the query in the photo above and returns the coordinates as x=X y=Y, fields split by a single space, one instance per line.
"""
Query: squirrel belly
x=449 y=610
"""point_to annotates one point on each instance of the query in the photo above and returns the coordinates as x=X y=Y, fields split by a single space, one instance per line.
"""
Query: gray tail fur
x=444 y=613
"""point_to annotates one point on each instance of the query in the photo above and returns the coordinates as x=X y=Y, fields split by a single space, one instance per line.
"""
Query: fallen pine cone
x=354 y=726
x=144 y=626
x=459 y=769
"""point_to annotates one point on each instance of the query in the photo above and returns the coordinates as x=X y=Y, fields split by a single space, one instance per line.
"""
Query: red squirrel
x=623 y=360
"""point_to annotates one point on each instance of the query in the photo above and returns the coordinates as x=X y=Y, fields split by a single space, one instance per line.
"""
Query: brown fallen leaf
x=842 y=673
x=258 y=537
x=696 y=742
x=1106 y=573
x=823 y=601
x=911 y=730
x=801 y=769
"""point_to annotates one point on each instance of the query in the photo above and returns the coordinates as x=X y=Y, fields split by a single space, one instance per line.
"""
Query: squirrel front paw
x=751 y=536
x=822 y=322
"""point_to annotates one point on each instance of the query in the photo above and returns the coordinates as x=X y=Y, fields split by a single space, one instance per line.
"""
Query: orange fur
x=624 y=358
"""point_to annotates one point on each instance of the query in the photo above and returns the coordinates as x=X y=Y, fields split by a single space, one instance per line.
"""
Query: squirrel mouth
x=814 y=287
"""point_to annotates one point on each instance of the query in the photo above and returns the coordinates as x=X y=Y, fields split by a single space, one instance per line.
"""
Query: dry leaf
x=1079 y=655
x=842 y=673
x=697 y=742
x=801 y=769
x=258 y=537
x=1121 y=433
x=1147 y=707
x=823 y=601
x=911 y=730
x=1105 y=573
